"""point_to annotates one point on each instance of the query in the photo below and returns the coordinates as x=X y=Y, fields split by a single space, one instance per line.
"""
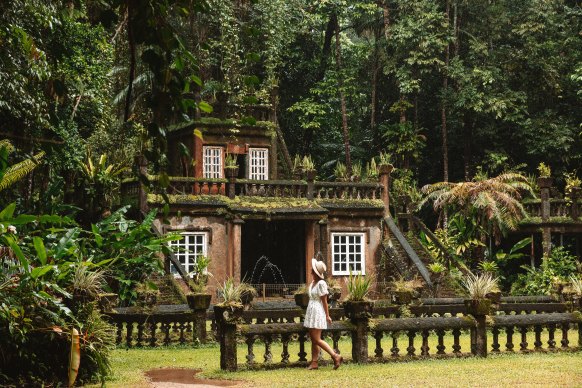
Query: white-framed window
x=348 y=253
x=188 y=249
x=259 y=164
x=212 y=162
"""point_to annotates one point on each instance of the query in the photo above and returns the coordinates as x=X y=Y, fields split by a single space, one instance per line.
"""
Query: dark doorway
x=281 y=242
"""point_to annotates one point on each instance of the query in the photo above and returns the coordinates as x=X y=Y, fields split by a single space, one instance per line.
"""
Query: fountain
x=275 y=270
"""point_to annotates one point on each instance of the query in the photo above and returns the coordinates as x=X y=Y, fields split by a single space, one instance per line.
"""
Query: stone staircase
x=171 y=291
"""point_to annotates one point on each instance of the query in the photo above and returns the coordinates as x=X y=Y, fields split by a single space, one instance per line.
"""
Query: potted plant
x=357 y=305
x=297 y=168
x=384 y=165
x=199 y=298
x=301 y=296
x=230 y=308
x=340 y=172
x=247 y=293
x=356 y=172
x=478 y=287
x=230 y=166
x=576 y=291
x=335 y=291
x=545 y=176
x=309 y=168
x=404 y=291
x=372 y=172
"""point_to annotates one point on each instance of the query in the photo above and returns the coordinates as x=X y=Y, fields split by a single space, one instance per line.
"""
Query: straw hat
x=318 y=267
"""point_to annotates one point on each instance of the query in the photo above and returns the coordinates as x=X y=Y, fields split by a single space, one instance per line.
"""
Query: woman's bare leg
x=313 y=334
x=316 y=343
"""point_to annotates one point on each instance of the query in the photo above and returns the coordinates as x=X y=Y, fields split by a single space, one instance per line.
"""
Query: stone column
x=310 y=184
x=545 y=183
x=226 y=320
x=385 y=171
x=479 y=309
x=200 y=325
x=359 y=314
x=236 y=248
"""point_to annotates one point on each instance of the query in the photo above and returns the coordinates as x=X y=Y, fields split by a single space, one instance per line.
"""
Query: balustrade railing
x=558 y=208
x=271 y=188
x=348 y=190
x=137 y=328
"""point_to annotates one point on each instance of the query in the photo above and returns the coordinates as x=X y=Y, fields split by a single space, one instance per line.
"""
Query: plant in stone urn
x=405 y=291
x=545 y=175
x=340 y=172
x=301 y=296
x=230 y=166
x=572 y=189
x=247 y=293
x=573 y=291
x=309 y=168
x=297 y=168
x=479 y=287
x=372 y=172
x=356 y=172
x=230 y=308
x=199 y=298
x=357 y=304
x=384 y=163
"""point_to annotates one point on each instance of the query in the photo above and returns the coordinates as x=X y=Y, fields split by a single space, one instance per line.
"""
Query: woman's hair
x=316 y=275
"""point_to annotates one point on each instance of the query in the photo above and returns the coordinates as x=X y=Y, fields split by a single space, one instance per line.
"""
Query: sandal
x=337 y=362
x=311 y=367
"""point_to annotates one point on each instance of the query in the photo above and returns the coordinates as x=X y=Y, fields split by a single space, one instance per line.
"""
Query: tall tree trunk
x=373 y=125
x=345 y=132
x=131 y=41
x=445 y=145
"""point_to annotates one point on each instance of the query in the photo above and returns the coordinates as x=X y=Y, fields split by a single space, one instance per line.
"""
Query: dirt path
x=183 y=378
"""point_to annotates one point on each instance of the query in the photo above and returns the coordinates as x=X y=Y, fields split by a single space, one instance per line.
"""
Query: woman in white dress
x=317 y=315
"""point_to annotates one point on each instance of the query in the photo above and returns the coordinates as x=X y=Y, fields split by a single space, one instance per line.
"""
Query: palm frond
x=18 y=171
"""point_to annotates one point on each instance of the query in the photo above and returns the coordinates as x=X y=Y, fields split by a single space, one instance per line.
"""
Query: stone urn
x=545 y=181
x=358 y=309
x=385 y=168
x=246 y=297
x=147 y=298
x=494 y=297
x=107 y=302
x=403 y=297
x=577 y=302
x=231 y=172
x=310 y=175
x=198 y=301
x=478 y=306
x=302 y=300
x=230 y=314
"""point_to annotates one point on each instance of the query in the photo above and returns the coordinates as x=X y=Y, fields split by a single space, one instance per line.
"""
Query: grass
x=561 y=369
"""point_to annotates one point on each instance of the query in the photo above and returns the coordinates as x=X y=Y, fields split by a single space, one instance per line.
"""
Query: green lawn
x=543 y=369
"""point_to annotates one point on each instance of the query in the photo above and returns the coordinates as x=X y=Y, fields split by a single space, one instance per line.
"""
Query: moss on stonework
x=351 y=203
x=217 y=122
x=216 y=200
x=552 y=220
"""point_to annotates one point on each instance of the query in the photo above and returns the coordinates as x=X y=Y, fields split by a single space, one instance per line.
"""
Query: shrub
x=358 y=287
x=478 y=286
x=557 y=267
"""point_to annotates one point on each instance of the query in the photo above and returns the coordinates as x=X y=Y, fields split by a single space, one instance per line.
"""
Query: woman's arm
x=325 y=307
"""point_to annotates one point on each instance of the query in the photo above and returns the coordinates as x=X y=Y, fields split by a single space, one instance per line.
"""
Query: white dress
x=315 y=314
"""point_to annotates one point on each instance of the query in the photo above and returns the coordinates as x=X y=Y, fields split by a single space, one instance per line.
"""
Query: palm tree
x=9 y=175
x=495 y=201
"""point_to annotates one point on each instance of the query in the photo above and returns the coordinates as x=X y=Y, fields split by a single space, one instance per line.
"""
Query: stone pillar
x=359 y=314
x=385 y=171
x=545 y=183
x=310 y=184
x=236 y=248
x=479 y=309
x=226 y=319
x=200 y=325
x=309 y=246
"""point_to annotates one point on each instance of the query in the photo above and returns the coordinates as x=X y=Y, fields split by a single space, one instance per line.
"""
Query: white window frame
x=258 y=164
x=339 y=255
x=212 y=165
x=186 y=255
